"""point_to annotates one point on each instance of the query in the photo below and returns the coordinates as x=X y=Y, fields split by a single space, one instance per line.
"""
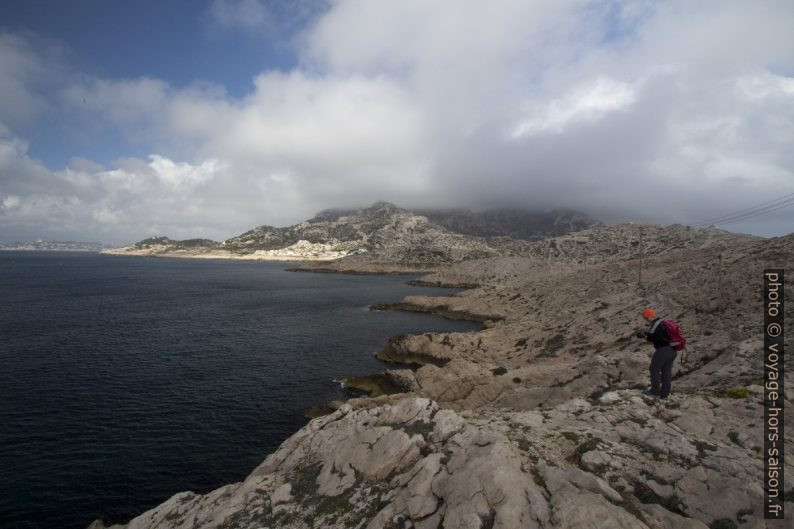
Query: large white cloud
x=626 y=109
x=136 y=197
x=652 y=111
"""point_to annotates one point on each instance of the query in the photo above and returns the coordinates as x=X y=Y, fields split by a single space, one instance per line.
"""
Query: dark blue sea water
x=125 y=380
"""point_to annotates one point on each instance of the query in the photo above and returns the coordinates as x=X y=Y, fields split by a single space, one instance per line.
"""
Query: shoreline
x=535 y=420
x=312 y=265
x=373 y=387
x=439 y=310
x=229 y=257
x=359 y=272
x=388 y=382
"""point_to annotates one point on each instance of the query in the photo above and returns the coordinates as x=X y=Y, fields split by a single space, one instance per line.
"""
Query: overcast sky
x=122 y=120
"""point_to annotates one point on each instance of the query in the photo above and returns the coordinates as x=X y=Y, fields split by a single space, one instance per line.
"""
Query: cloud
x=240 y=14
x=585 y=104
x=135 y=198
x=29 y=63
x=765 y=85
x=273 y=19
x=124 y=103
x=640 y=111
x=308 y=122
x=597 y=105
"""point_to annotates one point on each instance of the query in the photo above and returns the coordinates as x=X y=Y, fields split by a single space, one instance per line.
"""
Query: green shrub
x=571 y=436
x=738 y=393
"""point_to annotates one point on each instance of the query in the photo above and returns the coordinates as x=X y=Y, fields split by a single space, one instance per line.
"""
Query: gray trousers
x=662 y=370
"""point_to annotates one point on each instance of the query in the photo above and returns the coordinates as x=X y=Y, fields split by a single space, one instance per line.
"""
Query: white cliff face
x=300 y=251
x=306 y=251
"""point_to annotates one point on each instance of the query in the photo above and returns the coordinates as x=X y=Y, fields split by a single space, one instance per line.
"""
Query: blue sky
x=181 y=42
x=122 y=120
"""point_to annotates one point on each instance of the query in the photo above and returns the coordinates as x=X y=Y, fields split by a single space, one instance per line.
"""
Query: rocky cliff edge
x=539 y=420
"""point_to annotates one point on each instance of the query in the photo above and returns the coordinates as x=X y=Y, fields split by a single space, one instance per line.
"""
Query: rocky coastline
x=382 y=238
x=539 y=420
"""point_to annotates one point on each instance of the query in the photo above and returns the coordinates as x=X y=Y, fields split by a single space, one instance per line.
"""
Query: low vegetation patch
x=646 y=495
x=734 y=437
x=732 y=393
x=419 y=427
x=657 y=479
x=703 y=447
x=572 y=436
x=723 y=523
x=593 y=397
x=304 y=481
x=630 y=507
x=593 y=443
x=537 y=478
x=555 y=343
x=306 y=491
x=657 y=453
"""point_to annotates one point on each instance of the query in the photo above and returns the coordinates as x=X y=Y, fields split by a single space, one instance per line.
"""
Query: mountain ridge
x=381 y=232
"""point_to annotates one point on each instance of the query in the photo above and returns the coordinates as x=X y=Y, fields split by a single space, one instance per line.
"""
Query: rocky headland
x=52 y=246
x=539 y=420
x=379 y=239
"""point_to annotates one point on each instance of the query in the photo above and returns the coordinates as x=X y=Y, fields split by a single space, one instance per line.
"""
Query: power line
x=756 y=214
x=759 y=209
x=747 y=210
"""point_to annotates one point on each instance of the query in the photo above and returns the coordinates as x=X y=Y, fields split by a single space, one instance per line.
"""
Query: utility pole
x=640 y=275
x=719 y=284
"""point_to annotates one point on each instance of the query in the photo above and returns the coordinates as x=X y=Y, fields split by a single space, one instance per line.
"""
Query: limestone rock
x=447 y=423
x=419 y=499
x=577 y=509
x=661 y=518
x=556 y=480
x=283 y=494
x=596 y=459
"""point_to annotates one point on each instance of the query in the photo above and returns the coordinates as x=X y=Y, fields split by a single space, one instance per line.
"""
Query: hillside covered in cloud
x=644 y=111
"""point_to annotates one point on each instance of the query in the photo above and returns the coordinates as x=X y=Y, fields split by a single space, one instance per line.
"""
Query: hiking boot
x=650 y=393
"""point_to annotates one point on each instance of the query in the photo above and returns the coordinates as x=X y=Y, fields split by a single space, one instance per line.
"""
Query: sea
x=124 y=380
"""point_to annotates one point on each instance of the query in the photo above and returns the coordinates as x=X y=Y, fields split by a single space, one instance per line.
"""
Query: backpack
x=677 y=340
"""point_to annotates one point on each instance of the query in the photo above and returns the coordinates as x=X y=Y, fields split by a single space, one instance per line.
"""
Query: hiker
x=663 y=357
